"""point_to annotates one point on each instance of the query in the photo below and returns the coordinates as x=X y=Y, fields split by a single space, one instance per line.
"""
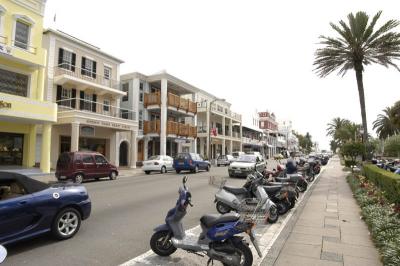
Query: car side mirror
x=3 y=253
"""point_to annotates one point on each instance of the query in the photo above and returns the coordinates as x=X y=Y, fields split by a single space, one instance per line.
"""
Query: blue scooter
x=218 y=240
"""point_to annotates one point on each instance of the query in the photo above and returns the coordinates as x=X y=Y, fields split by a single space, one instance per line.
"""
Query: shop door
x=123 y=154
x=11 y=148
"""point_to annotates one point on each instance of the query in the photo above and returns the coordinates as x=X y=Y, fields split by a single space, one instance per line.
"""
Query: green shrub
x=385 y=180
x=349 y=163
x=382 y=221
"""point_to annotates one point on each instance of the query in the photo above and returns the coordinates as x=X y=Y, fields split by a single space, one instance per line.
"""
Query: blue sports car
x=29 y=208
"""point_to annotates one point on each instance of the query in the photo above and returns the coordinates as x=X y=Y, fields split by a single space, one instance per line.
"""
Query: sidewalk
x=328 y=230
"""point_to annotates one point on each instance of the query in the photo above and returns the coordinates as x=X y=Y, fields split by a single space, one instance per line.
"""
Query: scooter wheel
x=246 y=257
x=273 y=215
x=282 y=208
x=222 y=208
x=158 y=246
x=311 y=178
x=302 y=186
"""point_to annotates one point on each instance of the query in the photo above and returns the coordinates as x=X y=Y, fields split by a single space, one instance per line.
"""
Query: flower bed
x=381 y=216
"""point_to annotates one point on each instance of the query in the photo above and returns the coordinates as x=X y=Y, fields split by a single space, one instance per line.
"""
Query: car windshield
x=247 y=158
x=155 y=157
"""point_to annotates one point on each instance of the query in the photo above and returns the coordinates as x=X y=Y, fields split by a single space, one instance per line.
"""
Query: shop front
x=11 y=148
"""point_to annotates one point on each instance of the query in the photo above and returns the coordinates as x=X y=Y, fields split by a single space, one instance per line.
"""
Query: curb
x=275 y=249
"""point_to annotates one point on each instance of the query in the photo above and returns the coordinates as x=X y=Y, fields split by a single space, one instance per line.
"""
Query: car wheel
x=178 y=171
x=66 y=224
x=217 y=165
x=147 y=172
x=208 y=168
x=113 y=175
x=163 y=170
x=78 y=178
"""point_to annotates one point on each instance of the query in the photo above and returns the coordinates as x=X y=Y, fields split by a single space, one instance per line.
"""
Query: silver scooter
x=3 y=253
x=242 y=199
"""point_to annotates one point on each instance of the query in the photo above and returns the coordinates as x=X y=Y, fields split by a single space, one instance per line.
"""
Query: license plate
x=238 y=171
x=63 y=177
x=181 y=163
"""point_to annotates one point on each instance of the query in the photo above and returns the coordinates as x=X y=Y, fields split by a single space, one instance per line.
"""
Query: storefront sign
x=107 y=124
x=180 y=140
x=5 y=49
x=5 y=105
x=87 y=131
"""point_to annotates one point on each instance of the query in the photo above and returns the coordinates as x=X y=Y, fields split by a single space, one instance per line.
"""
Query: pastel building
x=84 y=82
x=25 y=111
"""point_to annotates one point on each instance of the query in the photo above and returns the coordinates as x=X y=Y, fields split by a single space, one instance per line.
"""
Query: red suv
x=79 y=166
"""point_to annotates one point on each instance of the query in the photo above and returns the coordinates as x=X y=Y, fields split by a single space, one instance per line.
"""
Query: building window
x=88 y=67
x=21 y=35
x=14 y=83
x=88 y=99
x=124 y=114
x=140 y=120
x=107 y=72
x=106 y=106
x=125 y=88
x=141 y=92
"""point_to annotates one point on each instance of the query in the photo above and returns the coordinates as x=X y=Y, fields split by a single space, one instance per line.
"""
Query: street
x=124 y=213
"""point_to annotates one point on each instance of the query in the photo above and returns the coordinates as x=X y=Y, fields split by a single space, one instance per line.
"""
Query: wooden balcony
x=192 y=107
x=172 y=128
x=181 y=103
x=152 y=127
x=152 y=99
x=193 y=132
x=173 y=100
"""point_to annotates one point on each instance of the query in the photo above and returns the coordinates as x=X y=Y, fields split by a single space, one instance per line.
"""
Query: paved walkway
x=329 y=230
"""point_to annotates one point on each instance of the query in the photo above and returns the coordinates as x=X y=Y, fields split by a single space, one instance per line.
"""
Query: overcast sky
x=255 y=54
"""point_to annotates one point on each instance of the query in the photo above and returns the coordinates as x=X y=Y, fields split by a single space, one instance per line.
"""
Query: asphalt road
x=124 y=213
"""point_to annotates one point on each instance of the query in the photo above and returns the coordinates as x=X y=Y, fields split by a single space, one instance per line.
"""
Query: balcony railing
x=173 y=128
x=173 y=101
x=25 y=46
x=3 y=39
x=152 y=127
x=152 y=99
x=95 y=107
x=74 y=71
x=201 y=129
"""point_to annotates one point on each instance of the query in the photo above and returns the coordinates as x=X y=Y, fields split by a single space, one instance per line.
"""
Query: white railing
x=95 y=107
x=24 y=46
x=74 y=71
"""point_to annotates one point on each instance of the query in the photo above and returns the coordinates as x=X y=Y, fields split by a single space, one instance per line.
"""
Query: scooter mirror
x=184 y=179
x=3 y=253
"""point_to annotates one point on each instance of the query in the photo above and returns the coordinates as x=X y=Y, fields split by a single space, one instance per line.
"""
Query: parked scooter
x=218 y=240
x=3 y=253
x=243 y=199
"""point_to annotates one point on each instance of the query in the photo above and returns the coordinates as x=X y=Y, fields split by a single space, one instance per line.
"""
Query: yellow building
x=23 y=112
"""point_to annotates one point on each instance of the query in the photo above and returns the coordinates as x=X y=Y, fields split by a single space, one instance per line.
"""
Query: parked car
x=225 y=160
x=245 y=164
x=80 y=166
x=192 y=162
x=29 y=208
x=258 y=154
x=158 y=163
x=237 y=154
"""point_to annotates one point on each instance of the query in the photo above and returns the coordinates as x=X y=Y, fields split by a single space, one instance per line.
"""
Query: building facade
x=219 y=129
x=167 y=113
x=25 y=111
x=253 y=138
x=84 y=82
x=287 y=140
x=269 y=125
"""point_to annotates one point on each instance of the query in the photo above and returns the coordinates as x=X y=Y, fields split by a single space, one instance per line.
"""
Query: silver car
x=245 y=165
x=224 y=160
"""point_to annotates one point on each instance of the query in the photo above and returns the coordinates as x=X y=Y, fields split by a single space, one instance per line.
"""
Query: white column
x=133 y=149
x=223 y=134
x=241 y=137
x=202 y=146
x=74 y=136
x=208 y=139
x=230 y=127
x=230 y=146
x=114 y=148
x=194 y=142
x=163 y=133
x=145 y=148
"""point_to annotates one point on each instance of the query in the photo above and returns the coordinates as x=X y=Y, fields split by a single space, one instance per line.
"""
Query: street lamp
x=209 y=125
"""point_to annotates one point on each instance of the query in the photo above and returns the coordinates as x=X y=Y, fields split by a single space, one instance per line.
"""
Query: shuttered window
x=14 y=83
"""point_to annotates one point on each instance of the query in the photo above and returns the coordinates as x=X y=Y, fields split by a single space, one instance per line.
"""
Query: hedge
x=387 y=181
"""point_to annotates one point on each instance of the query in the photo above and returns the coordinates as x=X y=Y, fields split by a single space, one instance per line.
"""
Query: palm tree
x=356 y=46
x=385 y=125
x=335 y=124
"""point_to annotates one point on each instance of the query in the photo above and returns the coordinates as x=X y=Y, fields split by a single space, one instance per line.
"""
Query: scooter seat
x=272 y=189
x=236 y=191
x=209 y=220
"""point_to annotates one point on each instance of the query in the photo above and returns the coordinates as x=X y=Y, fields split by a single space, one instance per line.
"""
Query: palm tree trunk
x=362 y=102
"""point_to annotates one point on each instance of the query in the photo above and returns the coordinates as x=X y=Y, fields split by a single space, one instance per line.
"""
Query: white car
x=245 y=165
x=158 y=163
